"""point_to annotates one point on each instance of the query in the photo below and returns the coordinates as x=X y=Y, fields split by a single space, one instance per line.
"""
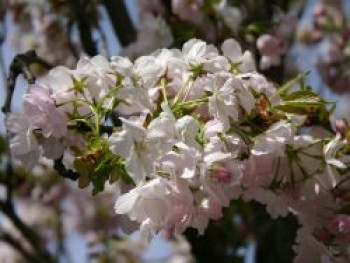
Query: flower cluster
x=214 y=21
x=331 y=32
x=190 y=130
x=37 y=26
x=58 y=211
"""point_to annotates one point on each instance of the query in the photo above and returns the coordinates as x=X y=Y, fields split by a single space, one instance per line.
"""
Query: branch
x=84 y=27
x=15 y=244
x=31 y=236
x=168 y=6
x=2 y=39
x=121 y=22
x=63 y=172
x=20 y=65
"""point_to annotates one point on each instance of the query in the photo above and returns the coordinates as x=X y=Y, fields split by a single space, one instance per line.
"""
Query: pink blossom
x=189 y=10
x=270 y=45
x=271 y=48
x=340 y=225
x=43 y=113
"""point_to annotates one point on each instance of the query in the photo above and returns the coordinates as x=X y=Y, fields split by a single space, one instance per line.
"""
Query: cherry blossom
x=189 y=131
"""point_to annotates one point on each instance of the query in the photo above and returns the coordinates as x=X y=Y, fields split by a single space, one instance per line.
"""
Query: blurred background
x=286 y=37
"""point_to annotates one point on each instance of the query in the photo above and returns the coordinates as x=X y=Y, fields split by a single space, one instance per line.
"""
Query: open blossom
x=141 y=147
x=227 y=99
x=139 y=83
x=60 y=82
x=41 y=110
x=197 y=53
x=271 y=48
x=98 y=73
x=274 y=140
x=233 y=51
x=187 y=128
x=151 y=204
x=23 y=144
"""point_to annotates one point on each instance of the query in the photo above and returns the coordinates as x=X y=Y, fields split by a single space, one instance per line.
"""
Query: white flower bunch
x=190 y=130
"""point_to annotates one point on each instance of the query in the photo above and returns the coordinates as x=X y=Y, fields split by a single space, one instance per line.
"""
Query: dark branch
x=15 y=244
x=20 y=65
x=43 y=255
x=121 y=22
x=63 y=172
x=84 y=26
x=167 y=5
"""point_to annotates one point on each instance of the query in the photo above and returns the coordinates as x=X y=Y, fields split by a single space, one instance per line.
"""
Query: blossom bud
x=269 y=45
x=319 y=10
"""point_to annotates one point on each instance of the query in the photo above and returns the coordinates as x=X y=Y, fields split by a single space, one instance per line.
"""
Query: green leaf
x=302 y=102
x=98 y=165
x=183 y=108
x=300 y=107
x=81 y=166
x=302 y=95
x=98 y=185
x=83 y=181
x=290 y=84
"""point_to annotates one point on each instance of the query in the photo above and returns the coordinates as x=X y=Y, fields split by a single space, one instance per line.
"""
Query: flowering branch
x=199 y=129
x=21 y=65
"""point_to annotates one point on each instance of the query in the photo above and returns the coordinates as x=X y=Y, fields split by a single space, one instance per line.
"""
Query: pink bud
x=319 y=10
x=340 y=127
x=345 y=34
x=223 y=175
x=323 y=235
x=269 y=45
x=340 y=225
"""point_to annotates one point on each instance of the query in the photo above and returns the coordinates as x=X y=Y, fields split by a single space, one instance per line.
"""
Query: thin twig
x=63 y=172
